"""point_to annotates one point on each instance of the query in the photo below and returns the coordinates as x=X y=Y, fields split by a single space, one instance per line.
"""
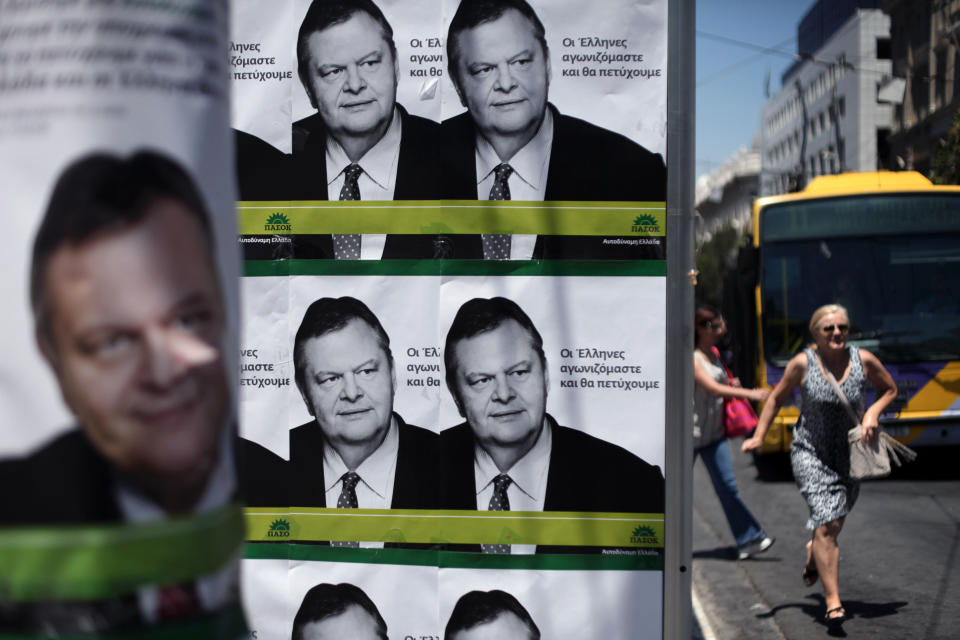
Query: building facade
x=725 y=196
x=924 y=87
x=827 y=117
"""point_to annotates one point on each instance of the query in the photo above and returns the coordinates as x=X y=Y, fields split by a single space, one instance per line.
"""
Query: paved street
x=899 y=565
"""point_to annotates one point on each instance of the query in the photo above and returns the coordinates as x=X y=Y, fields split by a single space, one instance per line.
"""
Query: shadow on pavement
x=730 y=553
x=854 y=608
x=719 y=553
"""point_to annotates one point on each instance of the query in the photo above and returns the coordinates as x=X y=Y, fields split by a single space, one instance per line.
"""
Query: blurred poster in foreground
x=118 y=489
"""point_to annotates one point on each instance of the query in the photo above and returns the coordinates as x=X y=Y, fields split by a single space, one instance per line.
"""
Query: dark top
x=585 y=474
x=587 y=162
x=64 y=482
x=300 y=482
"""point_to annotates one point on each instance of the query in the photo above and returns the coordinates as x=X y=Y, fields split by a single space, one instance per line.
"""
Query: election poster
x=118 y=485
x=452 y=222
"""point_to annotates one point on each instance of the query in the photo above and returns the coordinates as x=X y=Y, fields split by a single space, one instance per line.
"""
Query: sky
x=730 y=77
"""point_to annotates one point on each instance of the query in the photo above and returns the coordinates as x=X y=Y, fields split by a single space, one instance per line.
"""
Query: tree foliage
x=715 y=257
x=946 y=166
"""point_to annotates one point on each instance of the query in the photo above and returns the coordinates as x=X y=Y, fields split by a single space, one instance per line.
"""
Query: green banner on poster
x=457 y=527
x=87 y=562
x=453 y=217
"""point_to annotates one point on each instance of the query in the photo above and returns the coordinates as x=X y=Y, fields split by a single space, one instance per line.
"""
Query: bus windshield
x=898 y=278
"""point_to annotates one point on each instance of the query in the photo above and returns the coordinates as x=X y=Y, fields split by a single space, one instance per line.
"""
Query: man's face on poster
x=133 y=332
x=506 y=626
x=348 y=384
x=501 y=386
x=353 y=77
x=504 y=74
x=354 y=623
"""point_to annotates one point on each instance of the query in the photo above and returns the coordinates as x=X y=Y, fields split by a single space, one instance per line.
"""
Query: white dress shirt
x=528 y=181
x=528 y=488
x=377 y=474
x=377 y=182
x=215 y=590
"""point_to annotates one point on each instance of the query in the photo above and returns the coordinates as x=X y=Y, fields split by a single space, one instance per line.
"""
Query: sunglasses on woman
x=712 y=324
x=830 y=328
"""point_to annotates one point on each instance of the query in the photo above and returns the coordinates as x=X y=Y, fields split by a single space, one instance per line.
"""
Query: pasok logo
x=277 y=222
x=645 y=224
x=279 y=529
x=644 y=535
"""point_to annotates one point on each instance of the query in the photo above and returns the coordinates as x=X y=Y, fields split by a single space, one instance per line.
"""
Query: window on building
x=823 y=121
x=920 y=91
x=884 y=51
x=842 y=106
x=883 y=148
x=940 y=79
x=841 y=150
x=956 y=76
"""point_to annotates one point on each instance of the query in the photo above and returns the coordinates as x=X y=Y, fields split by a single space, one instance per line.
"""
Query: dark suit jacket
x=585 y=474
x=66 y=482
x=418 y=178
x=587 y=163
x=415 y=482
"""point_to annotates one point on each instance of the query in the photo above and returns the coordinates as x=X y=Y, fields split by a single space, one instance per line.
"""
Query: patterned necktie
x=347 y=500
x=347 y=246
x=499 y=501
x=497 y=246
x=177 y=602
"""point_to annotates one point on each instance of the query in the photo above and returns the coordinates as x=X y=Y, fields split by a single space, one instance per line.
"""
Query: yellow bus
x=886 y=245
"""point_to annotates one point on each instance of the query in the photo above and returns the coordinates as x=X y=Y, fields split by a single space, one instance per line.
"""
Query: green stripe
x=454 y=217
x=89 y=562
x=456 y=527
x=226 y=625
x=449 y=559
x=256 y=268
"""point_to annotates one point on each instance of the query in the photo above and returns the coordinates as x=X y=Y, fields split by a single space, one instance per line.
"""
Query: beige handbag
x=870 y=460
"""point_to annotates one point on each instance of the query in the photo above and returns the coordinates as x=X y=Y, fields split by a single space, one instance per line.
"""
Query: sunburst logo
x=643 y=534
x=279 y=529
x=645 y=223
x=278 y=222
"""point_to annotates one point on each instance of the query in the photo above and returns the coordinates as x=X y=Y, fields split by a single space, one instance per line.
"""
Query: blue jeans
x=743 y=525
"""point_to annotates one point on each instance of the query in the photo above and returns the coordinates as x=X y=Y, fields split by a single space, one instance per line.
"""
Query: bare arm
x=714 y=388
x=793 y=376
x=886 y=392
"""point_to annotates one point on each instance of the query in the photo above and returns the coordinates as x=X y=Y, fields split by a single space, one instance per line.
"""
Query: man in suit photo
x=513 y=144
x=510 y=454
x=129 y=315
x=361 y=144
x=356 y=452
x=483 y=615
x=333 y=611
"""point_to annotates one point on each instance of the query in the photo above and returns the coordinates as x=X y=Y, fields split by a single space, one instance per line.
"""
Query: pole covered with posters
x=681 y=274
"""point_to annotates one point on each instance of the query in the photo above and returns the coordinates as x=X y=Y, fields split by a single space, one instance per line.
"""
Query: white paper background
x=417 y=601
x=406 y=596
x=570 y=605
x=603 y=313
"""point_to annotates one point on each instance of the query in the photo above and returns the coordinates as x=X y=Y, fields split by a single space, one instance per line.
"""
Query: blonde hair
x=826 y=310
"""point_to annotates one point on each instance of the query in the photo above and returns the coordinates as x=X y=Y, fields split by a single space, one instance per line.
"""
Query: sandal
x=835 y=621
x=809 y=576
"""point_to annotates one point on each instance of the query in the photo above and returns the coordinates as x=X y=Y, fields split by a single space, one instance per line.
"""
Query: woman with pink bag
x=713 y=386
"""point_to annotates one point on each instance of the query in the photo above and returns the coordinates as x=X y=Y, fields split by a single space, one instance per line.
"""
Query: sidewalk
x=725 y=599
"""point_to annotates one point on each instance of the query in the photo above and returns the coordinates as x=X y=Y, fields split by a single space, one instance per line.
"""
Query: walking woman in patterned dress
x=820 y=453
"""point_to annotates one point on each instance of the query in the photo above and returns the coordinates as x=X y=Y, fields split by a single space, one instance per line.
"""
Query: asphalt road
x=899 y=557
